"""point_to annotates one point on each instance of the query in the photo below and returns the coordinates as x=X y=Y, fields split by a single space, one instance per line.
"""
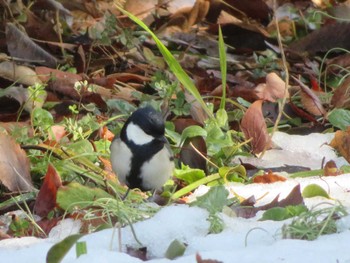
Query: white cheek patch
x=120 y=159
x=137 y=135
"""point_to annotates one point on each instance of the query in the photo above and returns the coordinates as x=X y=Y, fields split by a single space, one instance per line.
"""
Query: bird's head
x=143 y=126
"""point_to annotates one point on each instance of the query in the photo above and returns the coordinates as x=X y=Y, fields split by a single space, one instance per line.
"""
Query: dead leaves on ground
x=254 y=128
x=14 y=166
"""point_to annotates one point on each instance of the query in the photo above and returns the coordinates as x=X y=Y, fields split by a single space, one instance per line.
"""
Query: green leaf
x=189 y=175
x=75 y=194
x=340 y=118
x=221 y=117
x=283 y=213
x=83 y=148
x=275 y=214
x=59 y=250
x=175 y=249
x=80 y=248
x=42 y=118
x=192 y=131
x=313 y=190
x=214 y=200
x=233 y=174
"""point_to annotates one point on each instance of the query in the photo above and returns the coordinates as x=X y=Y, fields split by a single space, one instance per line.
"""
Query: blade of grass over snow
x=173 y=64
x=223 y=68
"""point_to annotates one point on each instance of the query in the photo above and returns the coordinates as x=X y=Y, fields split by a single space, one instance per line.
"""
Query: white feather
x=120 y=159
x=157 y=171
x=137 y=135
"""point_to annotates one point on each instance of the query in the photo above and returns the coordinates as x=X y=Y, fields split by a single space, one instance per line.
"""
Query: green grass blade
x=223 y=68
x=174 y=66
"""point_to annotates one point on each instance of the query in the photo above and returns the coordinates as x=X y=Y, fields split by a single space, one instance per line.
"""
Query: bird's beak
x=162 y=139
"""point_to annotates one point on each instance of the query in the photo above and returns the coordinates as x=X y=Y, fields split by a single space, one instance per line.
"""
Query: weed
x=311 y=224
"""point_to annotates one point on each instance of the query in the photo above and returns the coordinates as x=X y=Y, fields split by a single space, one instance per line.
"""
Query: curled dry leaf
x=273 y=89
x=310 y=101
x=254 y=127
x=341 y=142
x=14 y=166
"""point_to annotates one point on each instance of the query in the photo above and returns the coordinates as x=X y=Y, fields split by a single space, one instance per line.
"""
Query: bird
x=141 y=155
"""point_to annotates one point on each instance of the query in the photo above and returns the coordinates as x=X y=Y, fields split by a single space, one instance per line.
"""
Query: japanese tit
x=141 y=156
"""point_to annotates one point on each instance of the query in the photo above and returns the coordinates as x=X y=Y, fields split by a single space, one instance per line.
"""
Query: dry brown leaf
x=18 y=73
x=20 y=45
x=14 y=166
x=341 y=142
x=200 y=260
x=140 y=8
x=275 y=88
x=310 y=101
x=335 y=35
x=186 y=17
x=331 y=169
x=254 y=127
x=341 y=96
x=268 y=178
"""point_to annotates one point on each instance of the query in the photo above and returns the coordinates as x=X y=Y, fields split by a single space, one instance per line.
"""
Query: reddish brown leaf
x=341 y=142
x=46 y=199
x=341 y=96
x=310 y=100
x=268 y=178
x=335 y=35
x=140 y=253
x=331 y=169
x=254 y=127
x=14 y=166
x=200 y=260
x=248 y=210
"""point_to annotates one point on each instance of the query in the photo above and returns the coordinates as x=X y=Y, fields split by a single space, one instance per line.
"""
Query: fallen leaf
x=268 y=178
x=140 y=253
x=17 y=73
x=273 y=89
x=341 y=96
x=14 y=166
x=313 y=190
x=336 y=35
x=46 y=199
x=331 y=169
x=20 y=45
x=193 y=149
x=247 y=209
x=200 y=260
x=254 y=127
x=310 y=100
x=341 y=142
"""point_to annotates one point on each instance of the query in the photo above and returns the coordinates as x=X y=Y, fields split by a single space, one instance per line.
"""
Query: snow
x=242 y=240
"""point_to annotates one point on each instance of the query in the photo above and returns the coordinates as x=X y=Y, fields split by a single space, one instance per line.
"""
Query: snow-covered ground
x=243 y=240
